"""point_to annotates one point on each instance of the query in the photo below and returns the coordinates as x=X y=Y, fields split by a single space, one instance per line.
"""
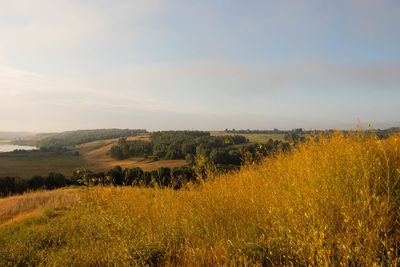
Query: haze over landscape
x=159 y=64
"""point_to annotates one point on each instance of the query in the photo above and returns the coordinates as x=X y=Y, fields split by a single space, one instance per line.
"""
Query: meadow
x=28 y=164
x=333 y=200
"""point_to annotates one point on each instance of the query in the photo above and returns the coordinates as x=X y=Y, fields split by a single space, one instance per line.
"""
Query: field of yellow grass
x=96 y=159
x=16 y=208
x=332 y=201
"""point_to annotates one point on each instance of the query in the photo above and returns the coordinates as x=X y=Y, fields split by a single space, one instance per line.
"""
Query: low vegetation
x=333 y=200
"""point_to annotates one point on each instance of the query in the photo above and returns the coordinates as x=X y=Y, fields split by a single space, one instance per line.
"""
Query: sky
x=208 y=65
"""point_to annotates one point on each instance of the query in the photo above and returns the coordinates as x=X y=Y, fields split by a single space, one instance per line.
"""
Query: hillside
x=332 y=201
x=94 y=155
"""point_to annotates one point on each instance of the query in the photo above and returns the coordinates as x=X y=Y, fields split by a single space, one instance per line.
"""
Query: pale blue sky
x=166 y=64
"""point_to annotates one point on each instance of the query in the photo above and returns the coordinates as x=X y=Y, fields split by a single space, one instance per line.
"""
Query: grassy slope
x=333 y=202
x=15 y=208
x=96 y=159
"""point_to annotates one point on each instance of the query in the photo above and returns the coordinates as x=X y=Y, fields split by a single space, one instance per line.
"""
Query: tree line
x=163 y=177
x=73 y=138
x=16 y=185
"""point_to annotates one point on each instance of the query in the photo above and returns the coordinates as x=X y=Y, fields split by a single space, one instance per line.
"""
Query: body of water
x=6 y=147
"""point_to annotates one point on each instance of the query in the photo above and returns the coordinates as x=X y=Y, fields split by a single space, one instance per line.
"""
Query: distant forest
x=73 y=138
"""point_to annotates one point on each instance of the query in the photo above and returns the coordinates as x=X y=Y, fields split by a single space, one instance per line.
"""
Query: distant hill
x=13 y=135
x=73 y=138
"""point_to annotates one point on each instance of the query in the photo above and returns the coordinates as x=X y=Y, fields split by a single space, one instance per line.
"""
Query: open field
x=5 y=141
x=330 y=202
x=254 y=138
x=26 y=165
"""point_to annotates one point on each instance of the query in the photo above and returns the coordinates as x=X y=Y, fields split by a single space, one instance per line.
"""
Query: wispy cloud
x=26 y=89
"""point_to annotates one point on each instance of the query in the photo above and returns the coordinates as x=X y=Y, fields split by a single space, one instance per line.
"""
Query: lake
x=6 y=147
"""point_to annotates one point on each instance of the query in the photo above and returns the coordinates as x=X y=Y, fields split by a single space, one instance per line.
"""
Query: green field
x=28 y=164
x=254 y=138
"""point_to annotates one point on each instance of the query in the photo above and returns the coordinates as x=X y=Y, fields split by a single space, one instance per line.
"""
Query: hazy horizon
x=208 y=65
x=363 y=125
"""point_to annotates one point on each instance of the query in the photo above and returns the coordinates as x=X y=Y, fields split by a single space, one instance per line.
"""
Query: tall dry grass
x=12 y=207
x=332 y=201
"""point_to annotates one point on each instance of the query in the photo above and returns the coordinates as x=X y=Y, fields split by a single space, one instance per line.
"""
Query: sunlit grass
x=332 y=201
x=15 y=206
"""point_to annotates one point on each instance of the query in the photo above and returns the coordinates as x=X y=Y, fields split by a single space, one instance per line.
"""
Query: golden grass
x=16 y=208
x=5 y=141
x=333 y=201
x=96 y=158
